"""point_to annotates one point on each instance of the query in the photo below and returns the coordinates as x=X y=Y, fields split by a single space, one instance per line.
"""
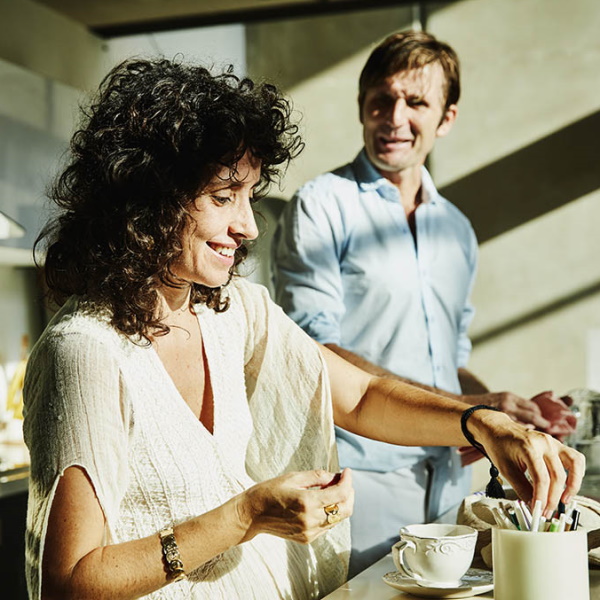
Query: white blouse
x=96 y=399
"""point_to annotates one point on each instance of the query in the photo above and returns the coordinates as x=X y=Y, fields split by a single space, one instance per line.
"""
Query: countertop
x=369 y=585
x=14 y=468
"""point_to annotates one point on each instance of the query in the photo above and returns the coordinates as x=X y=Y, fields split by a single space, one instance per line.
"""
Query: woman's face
x=221 y=217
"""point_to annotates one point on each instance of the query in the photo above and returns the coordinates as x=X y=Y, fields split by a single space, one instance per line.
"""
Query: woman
x=180 y=426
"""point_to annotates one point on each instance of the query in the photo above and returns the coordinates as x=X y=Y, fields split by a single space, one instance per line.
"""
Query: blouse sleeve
x=288 y=391
x=75 y=415
x=290 y=403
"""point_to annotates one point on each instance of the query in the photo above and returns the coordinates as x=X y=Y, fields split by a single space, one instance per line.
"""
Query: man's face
x=402 y=117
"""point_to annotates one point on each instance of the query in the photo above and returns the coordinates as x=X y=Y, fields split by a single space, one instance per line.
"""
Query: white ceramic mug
x=435 y=554
x=532 y=566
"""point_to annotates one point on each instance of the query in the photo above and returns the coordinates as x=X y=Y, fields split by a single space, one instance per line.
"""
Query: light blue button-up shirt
x=348 y=271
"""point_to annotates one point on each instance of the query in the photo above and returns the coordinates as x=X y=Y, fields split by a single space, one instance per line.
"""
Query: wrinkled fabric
x=95 y=399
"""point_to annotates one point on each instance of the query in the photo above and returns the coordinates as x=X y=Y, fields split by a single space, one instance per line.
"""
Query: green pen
x=512 y=515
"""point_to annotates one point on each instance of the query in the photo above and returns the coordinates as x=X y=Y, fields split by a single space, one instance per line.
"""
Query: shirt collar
x=370 y=179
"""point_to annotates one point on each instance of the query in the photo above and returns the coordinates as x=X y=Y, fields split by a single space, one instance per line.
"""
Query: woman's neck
x=173 y=302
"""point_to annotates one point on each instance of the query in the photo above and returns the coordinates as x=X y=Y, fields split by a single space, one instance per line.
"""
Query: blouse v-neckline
x=206 y=351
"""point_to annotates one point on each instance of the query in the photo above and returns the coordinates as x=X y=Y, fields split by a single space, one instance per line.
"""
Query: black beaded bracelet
x=494 y=488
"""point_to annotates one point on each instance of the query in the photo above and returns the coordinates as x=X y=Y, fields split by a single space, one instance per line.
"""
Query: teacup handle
x=398 y=556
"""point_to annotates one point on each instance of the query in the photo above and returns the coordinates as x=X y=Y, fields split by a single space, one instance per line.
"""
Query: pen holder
x=531 y=566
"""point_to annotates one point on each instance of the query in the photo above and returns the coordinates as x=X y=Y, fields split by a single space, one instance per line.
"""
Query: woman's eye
x=222 y=199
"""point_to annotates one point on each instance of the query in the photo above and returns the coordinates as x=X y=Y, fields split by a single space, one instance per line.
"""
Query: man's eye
x=383 y=102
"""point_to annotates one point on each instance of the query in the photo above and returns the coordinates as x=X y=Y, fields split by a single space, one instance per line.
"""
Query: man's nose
x=397 y=113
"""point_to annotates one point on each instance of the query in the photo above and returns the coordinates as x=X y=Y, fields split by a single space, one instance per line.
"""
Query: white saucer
x=473 y=582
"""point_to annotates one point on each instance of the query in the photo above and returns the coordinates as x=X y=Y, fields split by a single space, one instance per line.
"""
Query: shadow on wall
x=530 y=317
x=532 y=181
x=315 y=44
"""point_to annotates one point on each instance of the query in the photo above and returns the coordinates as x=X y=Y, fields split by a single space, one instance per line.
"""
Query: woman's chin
x=214 y=282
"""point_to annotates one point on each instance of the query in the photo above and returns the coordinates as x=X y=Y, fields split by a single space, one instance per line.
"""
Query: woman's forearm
x=77 y=565
x=399 y=413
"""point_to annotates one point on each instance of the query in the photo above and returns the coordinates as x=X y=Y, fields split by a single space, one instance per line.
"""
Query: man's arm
x=470 y=384
x=474 y=391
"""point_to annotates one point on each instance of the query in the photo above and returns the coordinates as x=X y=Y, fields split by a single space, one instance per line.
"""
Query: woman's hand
x=538 y=466
x=292 y=506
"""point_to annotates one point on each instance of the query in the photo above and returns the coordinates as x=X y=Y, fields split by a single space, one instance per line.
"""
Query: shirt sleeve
x=307 y=252
x=464 y=343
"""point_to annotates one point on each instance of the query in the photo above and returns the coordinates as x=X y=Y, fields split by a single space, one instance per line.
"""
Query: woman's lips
x=225 y=253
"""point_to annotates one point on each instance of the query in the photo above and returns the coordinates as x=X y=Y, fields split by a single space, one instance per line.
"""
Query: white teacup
x=435 y=554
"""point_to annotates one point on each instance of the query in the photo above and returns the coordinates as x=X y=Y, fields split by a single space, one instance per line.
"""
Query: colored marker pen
x=536 y=515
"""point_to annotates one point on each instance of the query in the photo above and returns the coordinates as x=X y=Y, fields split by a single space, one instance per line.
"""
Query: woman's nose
x=245 y=223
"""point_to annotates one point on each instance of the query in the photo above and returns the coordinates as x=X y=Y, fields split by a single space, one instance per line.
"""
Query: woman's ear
x=447 y=121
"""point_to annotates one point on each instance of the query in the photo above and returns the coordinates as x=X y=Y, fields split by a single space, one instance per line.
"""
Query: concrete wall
x=46 y=61
x=522 y=162
x=215 y=47
x=45 y=42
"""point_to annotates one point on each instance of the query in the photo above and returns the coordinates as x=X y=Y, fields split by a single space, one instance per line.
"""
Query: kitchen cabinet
x=14 y=472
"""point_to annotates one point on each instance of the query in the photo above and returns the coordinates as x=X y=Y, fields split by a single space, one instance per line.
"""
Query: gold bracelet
x=172 y=558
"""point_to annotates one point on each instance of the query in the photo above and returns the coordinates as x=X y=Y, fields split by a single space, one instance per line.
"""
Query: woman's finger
x=317 y=478
x=574 y=463
x=558 y=477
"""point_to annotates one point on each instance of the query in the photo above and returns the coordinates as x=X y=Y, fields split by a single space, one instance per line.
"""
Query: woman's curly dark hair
x=157 y=133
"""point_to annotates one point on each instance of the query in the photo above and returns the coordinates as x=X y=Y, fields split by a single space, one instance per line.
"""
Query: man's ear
x=447 y=121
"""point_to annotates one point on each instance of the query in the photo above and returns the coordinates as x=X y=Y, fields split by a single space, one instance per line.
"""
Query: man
x=372 y=262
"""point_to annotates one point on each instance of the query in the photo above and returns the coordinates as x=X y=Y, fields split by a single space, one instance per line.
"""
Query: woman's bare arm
x=536 y=465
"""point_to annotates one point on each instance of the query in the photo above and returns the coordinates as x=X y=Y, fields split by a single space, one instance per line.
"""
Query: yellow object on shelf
x=14 y=397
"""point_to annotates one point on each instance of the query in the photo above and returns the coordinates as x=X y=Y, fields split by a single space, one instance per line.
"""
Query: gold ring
x=333 y=513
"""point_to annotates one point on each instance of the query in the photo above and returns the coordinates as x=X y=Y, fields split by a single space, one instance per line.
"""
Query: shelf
x=16 y=257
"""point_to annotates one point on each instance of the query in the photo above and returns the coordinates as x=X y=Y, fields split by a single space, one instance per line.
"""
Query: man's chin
x=388 y=164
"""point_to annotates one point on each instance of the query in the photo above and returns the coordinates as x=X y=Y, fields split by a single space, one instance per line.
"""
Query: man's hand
x=520 y=409
x=556 y=410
